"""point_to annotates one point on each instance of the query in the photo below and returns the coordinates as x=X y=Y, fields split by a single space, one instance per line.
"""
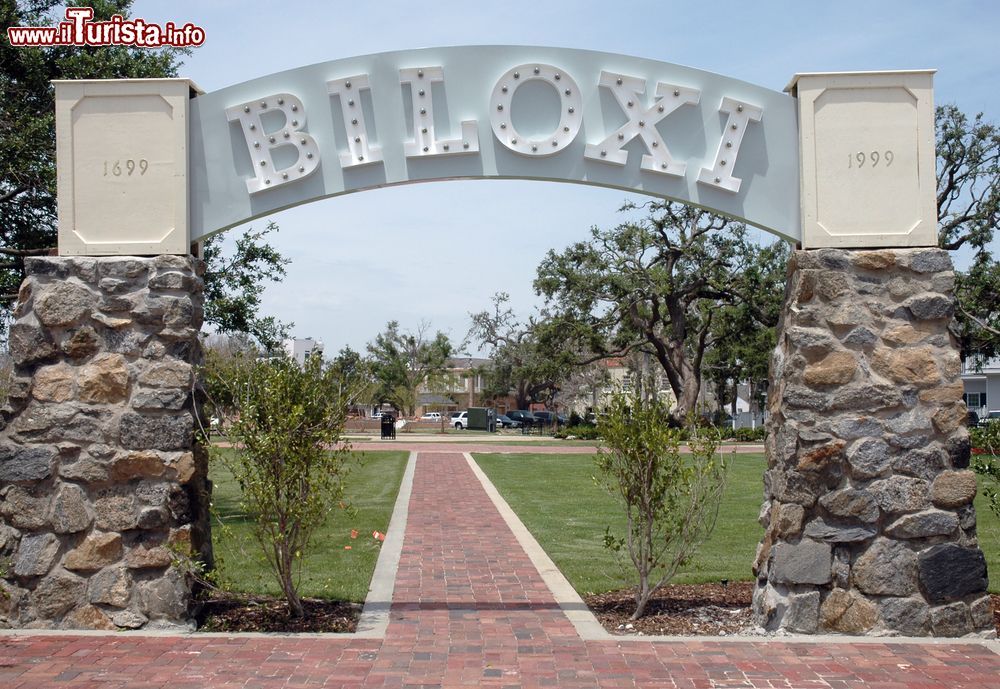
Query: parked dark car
x=504 y=421
x=972 y=420
x=549 y=418
x=525 y=418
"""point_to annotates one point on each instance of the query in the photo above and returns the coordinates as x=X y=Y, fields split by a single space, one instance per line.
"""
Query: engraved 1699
x=861 y=159
x=117 y=169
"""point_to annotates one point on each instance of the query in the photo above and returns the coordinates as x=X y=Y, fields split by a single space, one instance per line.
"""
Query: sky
x=437 y=252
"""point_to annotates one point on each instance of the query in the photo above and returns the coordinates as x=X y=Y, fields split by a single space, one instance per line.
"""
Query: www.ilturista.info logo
x=80 y=29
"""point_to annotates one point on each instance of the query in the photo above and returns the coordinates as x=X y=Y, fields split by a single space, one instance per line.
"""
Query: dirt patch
x=266 y=614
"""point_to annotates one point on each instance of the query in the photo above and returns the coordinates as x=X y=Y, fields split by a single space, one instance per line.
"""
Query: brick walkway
x=468 y=610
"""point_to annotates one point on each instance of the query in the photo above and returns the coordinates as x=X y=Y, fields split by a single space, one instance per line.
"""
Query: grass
x=557 y=499
x=330 y=571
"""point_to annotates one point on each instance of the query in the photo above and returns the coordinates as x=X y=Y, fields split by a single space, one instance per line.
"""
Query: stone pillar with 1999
x=869 y=522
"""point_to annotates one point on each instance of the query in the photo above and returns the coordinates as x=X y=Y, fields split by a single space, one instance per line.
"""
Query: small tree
x=671 y=501
x=285 y=429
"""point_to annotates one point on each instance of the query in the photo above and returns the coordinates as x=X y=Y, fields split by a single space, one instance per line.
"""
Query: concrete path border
x=375 y=614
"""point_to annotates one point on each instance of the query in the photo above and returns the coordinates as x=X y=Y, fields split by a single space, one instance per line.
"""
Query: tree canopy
x=401 y=362
x=968 y=196
x=522 y=360
x=658 y=283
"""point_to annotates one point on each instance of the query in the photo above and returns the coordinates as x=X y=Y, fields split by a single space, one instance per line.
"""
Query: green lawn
x=330 y=571
x=556 y=498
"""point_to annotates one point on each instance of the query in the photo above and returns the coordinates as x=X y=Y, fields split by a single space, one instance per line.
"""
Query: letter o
x=570 y=103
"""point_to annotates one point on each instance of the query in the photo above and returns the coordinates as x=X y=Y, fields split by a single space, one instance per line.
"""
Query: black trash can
x=388 y=427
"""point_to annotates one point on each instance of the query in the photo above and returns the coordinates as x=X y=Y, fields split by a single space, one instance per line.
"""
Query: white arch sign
x=150 y=166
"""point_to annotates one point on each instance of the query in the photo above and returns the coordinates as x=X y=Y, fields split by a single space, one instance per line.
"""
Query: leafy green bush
x=583 y=432
x=670 y=500
x=286 y=418
x=986 y=438
x=986 y=446
x=749 y=435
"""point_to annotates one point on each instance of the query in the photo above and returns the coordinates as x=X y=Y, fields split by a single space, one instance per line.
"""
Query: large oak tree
x=658 y=283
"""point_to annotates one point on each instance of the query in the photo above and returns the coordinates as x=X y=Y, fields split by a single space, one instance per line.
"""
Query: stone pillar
x=870 y=527
x=101 y=481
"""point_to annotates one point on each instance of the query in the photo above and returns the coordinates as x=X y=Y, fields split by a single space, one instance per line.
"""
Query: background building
x=299 y=349
x=981 y=378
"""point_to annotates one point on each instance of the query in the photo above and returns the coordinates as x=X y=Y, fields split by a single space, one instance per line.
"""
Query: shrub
x=285 y=429
x=749 y=435
x=583 y=432
x=986 y=445
x=670 y=500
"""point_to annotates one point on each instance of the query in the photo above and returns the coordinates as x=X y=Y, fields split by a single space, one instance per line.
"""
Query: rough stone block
x=835 y=368
x=907 y=616
x=900 y=494
x=88 y=617
x=110 y=586
x=930 y=306
x=818 y=529
x=869 y=458
x=789 y=521
x=139 y=432
x=71 y=511
x=104 y=380
x=98 y=551
x=847 y=612
x=53 y=383
x=166 y=597
x=807 y=562
x=24 y=464
x=951 y=620
x=26 y=507
x=167 y=374
x=953 y=488
x=116 y=512
x=58 y=593
x=81 y=343
x=982 y=614
x=924 y=525
x=952 y=572
x=36 y=555
x=802 y=614
x=887 y=568
x=29 y=344
x=63 y=304
x=850 y=503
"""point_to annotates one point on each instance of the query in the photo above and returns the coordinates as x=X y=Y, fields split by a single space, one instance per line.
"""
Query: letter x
x=628 y=91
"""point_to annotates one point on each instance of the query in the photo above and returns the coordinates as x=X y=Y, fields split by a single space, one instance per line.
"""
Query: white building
x=981 y=378
x=299 y=349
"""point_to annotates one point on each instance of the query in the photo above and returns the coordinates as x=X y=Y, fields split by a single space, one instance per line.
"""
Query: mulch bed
x=674 y=610
x=679 y=610
x=222 y=613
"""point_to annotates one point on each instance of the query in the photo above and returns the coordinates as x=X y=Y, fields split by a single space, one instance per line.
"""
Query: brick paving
x=470 y=610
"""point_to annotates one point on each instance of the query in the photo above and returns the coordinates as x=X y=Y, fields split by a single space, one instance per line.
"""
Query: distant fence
x=745 y=419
